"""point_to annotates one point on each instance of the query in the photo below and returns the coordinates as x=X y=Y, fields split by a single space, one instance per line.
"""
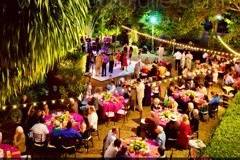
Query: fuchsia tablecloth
x=109 y=106
x=15 y=153
x=153 y=148
x=78 y=120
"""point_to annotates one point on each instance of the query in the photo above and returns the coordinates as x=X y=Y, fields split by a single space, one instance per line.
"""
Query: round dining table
x=10 y=151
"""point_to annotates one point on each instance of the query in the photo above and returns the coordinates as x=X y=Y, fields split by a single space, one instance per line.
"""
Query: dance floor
x=117 y=72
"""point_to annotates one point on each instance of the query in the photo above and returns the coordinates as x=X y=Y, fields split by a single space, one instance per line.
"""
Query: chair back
x=37 y=138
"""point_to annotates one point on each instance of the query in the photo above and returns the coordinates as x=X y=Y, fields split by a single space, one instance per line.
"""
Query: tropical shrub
x=225 y=142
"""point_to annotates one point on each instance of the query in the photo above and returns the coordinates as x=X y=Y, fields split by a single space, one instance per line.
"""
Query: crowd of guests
x=140 y=92
x=98 y=58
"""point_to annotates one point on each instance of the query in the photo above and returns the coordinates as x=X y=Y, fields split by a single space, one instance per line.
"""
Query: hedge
x=225 y=142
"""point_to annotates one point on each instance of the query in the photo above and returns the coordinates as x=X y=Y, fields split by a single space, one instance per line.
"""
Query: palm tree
x=34 y=34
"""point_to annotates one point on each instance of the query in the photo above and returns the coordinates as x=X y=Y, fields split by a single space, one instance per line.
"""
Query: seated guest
x=73 y=106
x=41 y=129
x=156 y=107
x=111 y=87
x=19 y=139
x=161 y=137
x=45 y=110
x=171 y=89
x=213 y=103
x=122 y=153
x=147 y=94
x=113 y=149
x=190 y=110
x=171 y=128
x=202 y=89
x=56 y=130
x=194 y=122
x=153 y=71
x=184 y=133
x=69 y=132
x=228 y=79
x=92 y=118
x=181 y=84
x=173 y=105
x=111 y=136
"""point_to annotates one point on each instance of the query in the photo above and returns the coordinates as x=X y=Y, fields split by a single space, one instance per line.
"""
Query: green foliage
x=225 y=142
x=34 y=34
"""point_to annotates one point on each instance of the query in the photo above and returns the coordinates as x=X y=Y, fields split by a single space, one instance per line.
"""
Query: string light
x=14 y=106
x=44 y=102
x=53 y=101
x=34 y=104
x=62 y=100
x=24 y=105
x=172 y=42
x=4 y=108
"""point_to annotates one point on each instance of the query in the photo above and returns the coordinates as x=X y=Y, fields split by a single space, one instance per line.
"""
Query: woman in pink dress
x=184 y=132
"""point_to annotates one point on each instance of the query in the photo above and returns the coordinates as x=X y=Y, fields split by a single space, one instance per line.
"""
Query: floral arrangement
x=107 y=96
x=138 y=146
x=190 y=93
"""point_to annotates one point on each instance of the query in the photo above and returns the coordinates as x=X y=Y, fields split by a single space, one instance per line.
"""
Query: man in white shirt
x=41 y=129
x=112 y=149
x=178 y=57
x=111 y=136
x=140 y=95
x=160 y=53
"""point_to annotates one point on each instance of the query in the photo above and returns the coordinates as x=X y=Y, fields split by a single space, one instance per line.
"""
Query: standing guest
x=140 y=95
x=19 y=139
x=137 y=69
x=184 y=132
x=92 y=117
x=125 y=58
x=98 y=64
x=113 y=149
x=130 y=52
x=161 y=151
x=147 y=94
x=161 y=137
x=92 y=62
x=104 y=64
x=111 y=137
x=183 y=60
x=215 y=76
x=205 y=57
x=111 y=63
x=133 y=96
x=178 y=56
x=122 y=153
x=88 y=62
x=189 y=58
x=118 y=57
x=41 y=129
x=194 y=122
x=25 y=101
x=160 y=53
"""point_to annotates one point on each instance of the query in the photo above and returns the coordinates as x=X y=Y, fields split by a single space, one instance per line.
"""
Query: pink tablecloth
x=153 y=149
x=108 y=106
x=78 y=120
x=155 y=116
x=15 y=153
